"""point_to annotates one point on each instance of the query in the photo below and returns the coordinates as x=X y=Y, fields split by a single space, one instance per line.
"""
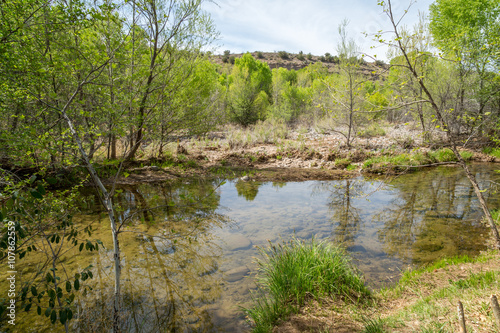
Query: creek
x=189 y=248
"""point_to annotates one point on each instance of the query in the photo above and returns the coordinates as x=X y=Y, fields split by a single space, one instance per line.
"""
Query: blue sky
x=299 y=25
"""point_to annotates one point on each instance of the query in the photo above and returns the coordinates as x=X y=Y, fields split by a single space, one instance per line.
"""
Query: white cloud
x=297 y=25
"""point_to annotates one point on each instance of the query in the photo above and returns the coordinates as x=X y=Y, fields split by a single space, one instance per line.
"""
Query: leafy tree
x=249 y=90
x=439 y=111
x=289 y=99
x=345 y=90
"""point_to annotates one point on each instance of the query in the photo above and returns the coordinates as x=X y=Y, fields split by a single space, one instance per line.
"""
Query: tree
x=74 y=70
x=345 y=90
x=451 y=135
x=249 y=90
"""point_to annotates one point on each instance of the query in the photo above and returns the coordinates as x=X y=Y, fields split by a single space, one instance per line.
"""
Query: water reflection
x=186 y=268
x=433 y=216
x=170 y=261
x=345 y=216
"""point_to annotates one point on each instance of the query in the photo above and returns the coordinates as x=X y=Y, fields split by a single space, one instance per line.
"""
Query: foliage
x=292 y=271
x=249 y=89
x=37 y=226
x=283 y=55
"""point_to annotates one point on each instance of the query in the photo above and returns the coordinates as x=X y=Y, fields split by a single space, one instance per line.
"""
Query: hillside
x=290 y=61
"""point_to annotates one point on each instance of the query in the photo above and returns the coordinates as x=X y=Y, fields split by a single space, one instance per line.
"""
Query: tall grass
x=294 y=271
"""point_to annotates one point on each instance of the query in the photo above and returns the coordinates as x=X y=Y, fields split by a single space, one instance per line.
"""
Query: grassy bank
x=408 y=161
x=311 y=287
x=295 y=272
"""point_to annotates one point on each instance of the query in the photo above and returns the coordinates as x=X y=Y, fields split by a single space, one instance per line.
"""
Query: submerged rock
x=235 y=242
x=236 y=274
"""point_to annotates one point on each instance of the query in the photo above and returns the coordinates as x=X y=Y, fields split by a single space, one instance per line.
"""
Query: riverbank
x=276 y=153
x=424 y=300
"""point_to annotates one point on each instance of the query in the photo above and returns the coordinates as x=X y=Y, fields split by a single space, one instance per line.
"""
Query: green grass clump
x=447 y=155
x=342 y=163
x=374 y=325
x=492 y=151
x=372 y=131
x=293 y=271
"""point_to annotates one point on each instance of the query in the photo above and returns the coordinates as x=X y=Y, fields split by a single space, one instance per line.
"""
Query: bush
x=309 y=56
x=294 y=270
x=260 y=55
x=232 y=59
x=371 y=131
x=301 y=56
x=225 y=57
x=342 y=163
x=283 y=55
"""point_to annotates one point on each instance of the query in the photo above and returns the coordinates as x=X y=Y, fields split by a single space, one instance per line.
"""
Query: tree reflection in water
x=432 y=216
x=344 y=215
x=170 y=268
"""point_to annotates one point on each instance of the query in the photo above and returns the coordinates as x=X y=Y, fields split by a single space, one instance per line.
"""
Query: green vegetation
x=373 y=130
x=293 y=271
x=284 y=55
x=407 y=162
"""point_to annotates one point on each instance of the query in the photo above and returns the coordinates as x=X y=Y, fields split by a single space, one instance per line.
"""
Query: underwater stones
x=214 y=267
x=236 y=242
x=356 y=248
x=236 y=274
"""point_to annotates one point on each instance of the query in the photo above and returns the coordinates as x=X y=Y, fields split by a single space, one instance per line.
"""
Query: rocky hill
x=297 y=61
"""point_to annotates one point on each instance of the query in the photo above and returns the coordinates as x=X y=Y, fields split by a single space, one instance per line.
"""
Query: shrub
x=371 y=131
x=379 y=63
x=283 y=55
x=301 y=56
x=291 y=271
x=232 y=59
x=225 y=57
x=260 y=55
x=309 y=56
x=342 y=163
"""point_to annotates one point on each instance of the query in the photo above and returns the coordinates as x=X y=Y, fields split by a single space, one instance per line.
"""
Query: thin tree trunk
x=449 y=136
x=107 y=202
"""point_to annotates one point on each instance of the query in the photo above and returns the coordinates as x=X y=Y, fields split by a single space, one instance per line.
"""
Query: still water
x=189 y=248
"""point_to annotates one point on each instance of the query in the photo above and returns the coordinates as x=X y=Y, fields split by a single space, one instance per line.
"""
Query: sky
x=310 y=26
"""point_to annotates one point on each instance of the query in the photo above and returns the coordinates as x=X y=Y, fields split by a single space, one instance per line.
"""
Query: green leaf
x=28 y=307
x=68 y=286
x=51 y=181
x=41 y=189
x=62 y=316
x=33 y=291
x=36 y=194
x=53 y=317
x=39 y=310
x=77 y=284
x=47 y=312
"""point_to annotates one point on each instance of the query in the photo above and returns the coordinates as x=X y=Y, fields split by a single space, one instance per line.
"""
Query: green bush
x=225 y=57
x=492 y=151
x=292 y=271
x=301 y=56
x=371 y=131
x=284 y=55
x=260 y=55
x=342 y=163
x=309 y=56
